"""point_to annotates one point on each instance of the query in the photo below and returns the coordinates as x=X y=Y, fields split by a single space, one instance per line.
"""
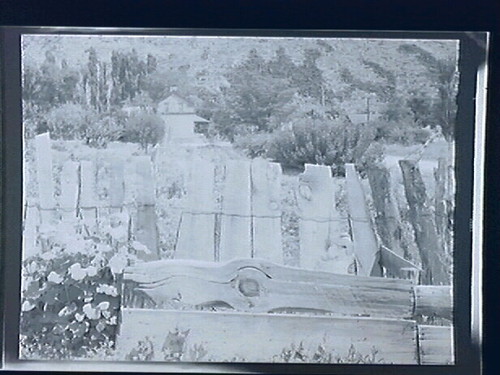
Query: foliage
x=401 y=132
x=68 y=121
x=145 y=129
x=70 y=299
x=106 y=129
x=323 y=142
x=443 y=77
x=298 y=353
x=254 y=145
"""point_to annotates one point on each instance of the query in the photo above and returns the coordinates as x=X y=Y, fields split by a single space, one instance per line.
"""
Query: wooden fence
x=229 y=269
x=283 y=305
x=131 y=195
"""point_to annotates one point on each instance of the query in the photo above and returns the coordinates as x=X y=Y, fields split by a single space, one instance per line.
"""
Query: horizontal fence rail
x=255 y=285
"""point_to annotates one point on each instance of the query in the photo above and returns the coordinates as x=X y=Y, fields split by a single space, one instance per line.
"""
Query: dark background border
x=276 y=15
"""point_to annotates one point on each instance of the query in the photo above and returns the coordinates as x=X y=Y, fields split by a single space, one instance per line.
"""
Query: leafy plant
x=70 y=295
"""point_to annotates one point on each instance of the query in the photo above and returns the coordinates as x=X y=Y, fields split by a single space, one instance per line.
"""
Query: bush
x=254 y=145
x=324 y=142
x=70 y=294
x=144 y=128
x=100 y=132
x=404 y=133
x=69 y=121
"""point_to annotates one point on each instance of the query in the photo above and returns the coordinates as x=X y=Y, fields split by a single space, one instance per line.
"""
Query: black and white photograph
x=238 y=199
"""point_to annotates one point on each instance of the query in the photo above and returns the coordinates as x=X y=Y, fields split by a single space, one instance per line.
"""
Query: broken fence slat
x=435 y=345
x=45 y=181
x=365 y=241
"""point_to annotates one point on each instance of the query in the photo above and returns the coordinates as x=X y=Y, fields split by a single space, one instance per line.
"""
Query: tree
x=442 y=76
x=144 y=128
x=254 y=95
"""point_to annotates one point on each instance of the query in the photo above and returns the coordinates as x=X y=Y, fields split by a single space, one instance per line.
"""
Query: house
x=180 y=119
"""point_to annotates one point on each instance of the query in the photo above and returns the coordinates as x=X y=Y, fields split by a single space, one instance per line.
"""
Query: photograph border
x=472 y=56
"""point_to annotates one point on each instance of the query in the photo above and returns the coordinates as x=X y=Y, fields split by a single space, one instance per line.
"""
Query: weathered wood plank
x=386 y=216
x=43 y=160
x=68 y=200
x=365 y=242
x=431 y=300
x=436 y=345
x=145 y=229
x=250 y=288
x=266 y=210
x=315 y=200
x=88 y=196
x=196 y=233
x=116 y=186
x=235 y=238
x=30 y=230
x=268 y=334
x=431 y=253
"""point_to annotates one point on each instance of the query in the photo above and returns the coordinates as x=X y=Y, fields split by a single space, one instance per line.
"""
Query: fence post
x=235 y=236
x=266 y=210
x=68 y=200
x=145 y=229
x=443 y=209
x=88 y=201
x=30 y=230
x=315 y=199
x=196 y=233
x=434 y=272
x=43 y=158
x=365 y=242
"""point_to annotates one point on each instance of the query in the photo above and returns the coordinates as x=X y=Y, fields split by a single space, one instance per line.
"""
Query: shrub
x=404 y=133
x=144 y=128
x=69 y=121
x=254 y=145
x=100 y=132
x=70 y=294
x=324 y=142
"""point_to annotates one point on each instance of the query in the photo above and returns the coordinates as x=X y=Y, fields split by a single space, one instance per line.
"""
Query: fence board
x=268 y=334
x=435 y=345
x=434 y=301
x=68 y=200
x=235 y=238
x=88 y=196
x=145 y=229
x=30 y=230
x=43 y=159
x=423 y=224
x=386 y=216
x=116 y=186
x=266 y=210
x=315 y=199
x=365 y=242
x=196 y=233
x=260 y=286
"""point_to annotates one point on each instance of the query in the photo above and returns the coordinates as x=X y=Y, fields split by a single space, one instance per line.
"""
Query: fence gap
x=365 y=241
x=88 y=199
x=235 y=236
x=266 y=210
x=424 y=227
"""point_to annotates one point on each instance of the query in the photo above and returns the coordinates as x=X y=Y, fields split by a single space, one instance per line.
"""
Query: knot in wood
x=249 y=287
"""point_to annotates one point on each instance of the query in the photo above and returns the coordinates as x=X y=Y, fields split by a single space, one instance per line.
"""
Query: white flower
x=55 y=278
x=110 y=290
x=91 y=271
x=103 y=305
x=77 y=272
x=27 y=306
x=91 y=312
x=117 y=263
x=136 y=245
x=113 y=321
x=79 y=317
